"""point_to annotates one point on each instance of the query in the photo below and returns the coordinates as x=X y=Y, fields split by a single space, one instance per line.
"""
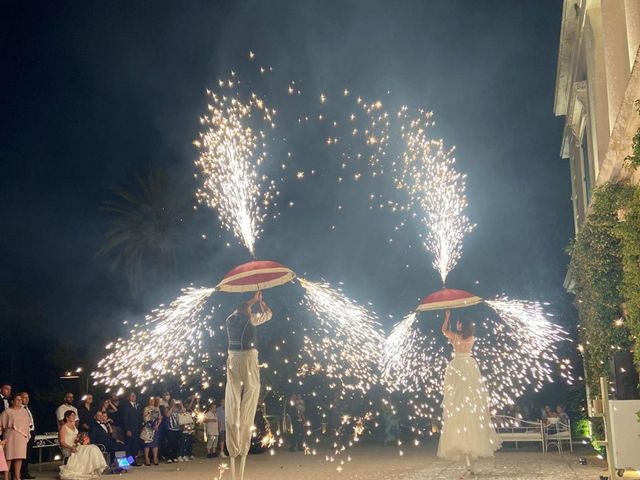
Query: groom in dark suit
x=100 y=434
x=132 y=425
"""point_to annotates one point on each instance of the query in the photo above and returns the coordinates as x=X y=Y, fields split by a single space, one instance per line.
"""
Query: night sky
x=94 y=92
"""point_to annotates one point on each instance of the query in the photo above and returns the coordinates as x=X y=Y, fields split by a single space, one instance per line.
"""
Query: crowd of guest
x=17 y=429
x=547 y=414
x=163 y=430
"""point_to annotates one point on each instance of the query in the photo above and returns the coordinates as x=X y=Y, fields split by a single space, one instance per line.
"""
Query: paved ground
x=378 y=463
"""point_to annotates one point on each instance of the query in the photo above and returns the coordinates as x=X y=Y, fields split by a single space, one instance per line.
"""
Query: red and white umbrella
x=254 y=276
x=448 y=298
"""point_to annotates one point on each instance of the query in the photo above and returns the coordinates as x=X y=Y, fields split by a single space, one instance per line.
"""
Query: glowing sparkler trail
x=525 y=351
x=230 y=152
x=350 y=338
x=169 y=342
x=516 y=353
x=432 y=183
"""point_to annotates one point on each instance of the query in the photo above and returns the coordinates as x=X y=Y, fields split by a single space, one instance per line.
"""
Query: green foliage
x=628 y=233
x=633 y=160
x=580 y=428
x=597 y=269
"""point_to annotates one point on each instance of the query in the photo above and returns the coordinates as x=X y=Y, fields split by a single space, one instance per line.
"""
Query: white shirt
x=60 y=411
x=32 y=426
x=212 y=425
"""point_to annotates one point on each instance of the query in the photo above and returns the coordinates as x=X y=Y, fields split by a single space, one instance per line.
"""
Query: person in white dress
x=84 y=461
x=467 y=432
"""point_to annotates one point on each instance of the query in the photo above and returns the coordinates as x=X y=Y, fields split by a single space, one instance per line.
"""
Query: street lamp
x=69 y=375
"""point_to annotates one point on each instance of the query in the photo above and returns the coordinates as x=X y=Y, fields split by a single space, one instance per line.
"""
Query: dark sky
x=93 y=92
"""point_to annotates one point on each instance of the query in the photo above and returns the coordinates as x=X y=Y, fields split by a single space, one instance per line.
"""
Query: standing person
x=4 y=468
x=222 y=429
x=164 y=422
x=32 y=428
x=150 y=435
x=132 y=424
x=466 y=420
x=211 y=429
x=173 y=431
x=113 y=413
x=296 y=417
x=85 y=413
x=187 y=434
x=66 y=406
x=5 y=393
x=14 y=423
x=243 y=377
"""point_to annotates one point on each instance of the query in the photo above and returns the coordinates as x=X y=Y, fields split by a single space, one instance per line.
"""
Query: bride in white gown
x=85 y=461
x=467 y=431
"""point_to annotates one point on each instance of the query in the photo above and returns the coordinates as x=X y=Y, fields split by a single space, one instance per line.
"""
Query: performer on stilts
x=467 y=432
x=243 y=378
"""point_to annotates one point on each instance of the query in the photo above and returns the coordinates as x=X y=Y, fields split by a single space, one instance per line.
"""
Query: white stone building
x=597 y=85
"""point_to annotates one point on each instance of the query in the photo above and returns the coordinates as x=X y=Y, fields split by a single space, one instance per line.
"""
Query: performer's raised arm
x=265 y=313
x=446 y=331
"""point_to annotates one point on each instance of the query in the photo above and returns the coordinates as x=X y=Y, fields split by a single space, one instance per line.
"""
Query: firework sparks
x=168 y=343
x=516 y=352
x=350 y=338
x=524 y=350
x=230 y=153
x=432 y=183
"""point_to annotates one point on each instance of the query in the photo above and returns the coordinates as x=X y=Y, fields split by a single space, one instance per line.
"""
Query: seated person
x=100 y=432
x=85 y=460
x=562 y=415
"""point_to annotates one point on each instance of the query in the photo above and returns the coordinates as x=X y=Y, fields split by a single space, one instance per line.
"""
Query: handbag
x=184 y=418
x=147 y=434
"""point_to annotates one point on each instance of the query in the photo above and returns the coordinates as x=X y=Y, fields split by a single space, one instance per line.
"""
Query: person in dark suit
x=5 y=393
x=132 y=424
x=100 y=433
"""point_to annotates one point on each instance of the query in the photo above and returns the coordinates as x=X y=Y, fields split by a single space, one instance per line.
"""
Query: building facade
x=597 y=85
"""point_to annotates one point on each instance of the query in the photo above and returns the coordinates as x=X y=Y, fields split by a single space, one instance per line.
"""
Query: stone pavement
x=378 y=463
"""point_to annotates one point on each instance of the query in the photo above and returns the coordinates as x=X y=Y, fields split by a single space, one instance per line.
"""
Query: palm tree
x=145 y=233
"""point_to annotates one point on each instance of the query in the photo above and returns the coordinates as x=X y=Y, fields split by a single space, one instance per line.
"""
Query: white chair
x=556 y=432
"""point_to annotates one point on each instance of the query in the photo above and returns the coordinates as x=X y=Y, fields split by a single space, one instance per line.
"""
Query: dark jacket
x=131 y=418
x=99 y=436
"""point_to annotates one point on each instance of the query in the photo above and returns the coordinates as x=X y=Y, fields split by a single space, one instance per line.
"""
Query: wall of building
x=597 y=84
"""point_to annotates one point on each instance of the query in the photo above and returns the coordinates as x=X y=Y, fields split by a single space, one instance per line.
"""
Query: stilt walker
x=243 y=379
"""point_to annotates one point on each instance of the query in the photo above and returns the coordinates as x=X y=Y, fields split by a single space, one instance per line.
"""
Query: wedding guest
x=561 y=414
x=85 y=412
x=187 y=435
x=5 y=393
x=164 y=426
x=66 y=406
x=132 y=424
x=4 y=468
x=222 y=433
x=15 y=423
x=173 y=431
x=113 y=413
x=84 y=460
x=25 y=465
x=211 y=429
x=150 y=435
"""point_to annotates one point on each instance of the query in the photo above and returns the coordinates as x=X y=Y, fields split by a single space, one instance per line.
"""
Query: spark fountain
x=168 y=343
x=230 y=153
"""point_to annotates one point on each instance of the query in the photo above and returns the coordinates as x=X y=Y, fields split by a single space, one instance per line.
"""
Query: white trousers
x=241 y=399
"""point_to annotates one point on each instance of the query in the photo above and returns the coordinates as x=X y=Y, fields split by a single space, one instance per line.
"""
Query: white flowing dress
x=466 y=418
x=87 y=462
